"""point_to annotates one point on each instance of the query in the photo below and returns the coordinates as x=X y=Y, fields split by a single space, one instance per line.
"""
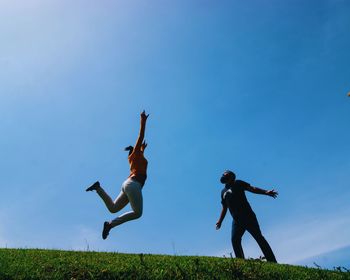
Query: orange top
x=138 y=167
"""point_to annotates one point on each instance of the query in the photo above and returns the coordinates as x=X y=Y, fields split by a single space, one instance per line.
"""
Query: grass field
x=53 y=264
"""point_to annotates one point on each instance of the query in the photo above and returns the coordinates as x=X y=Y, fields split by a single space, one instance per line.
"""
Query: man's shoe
x=93 y=187
x=106 y=229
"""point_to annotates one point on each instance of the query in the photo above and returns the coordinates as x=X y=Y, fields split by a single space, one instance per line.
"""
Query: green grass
x=53 y=264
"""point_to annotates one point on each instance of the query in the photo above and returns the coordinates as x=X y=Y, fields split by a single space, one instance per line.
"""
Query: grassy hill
x=52 y=264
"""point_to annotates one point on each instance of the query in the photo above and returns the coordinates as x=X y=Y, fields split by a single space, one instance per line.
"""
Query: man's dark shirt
x=235 y=200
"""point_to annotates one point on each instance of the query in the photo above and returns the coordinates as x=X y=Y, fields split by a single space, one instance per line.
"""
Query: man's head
x=228 y=177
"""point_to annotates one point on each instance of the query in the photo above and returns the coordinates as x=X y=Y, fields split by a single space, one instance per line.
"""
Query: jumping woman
x=131 y=190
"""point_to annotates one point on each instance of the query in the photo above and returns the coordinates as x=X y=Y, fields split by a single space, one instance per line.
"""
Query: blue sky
x=259 y=88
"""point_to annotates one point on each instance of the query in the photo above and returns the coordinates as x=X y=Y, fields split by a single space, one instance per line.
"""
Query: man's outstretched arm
x=257 y=190
x=222 y=217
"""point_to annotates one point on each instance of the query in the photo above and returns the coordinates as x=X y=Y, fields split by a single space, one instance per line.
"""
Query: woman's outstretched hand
x=272 y=193
x=144 y=116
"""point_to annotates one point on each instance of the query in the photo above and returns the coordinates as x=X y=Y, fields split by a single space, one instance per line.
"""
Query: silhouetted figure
x=131 y=191
x=233 y=197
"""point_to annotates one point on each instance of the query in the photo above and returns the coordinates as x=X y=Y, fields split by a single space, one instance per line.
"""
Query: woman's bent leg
x=113 y=206
x=133 y=191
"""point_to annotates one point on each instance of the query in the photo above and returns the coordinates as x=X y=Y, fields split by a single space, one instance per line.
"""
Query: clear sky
x=259 y=87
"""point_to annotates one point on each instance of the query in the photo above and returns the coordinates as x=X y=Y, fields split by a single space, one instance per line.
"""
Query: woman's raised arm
x=141 y=136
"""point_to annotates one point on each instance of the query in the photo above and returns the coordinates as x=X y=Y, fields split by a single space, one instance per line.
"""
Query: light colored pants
x=131 y=192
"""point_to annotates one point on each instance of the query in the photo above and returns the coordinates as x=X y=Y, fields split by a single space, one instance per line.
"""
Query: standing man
x=233 y=197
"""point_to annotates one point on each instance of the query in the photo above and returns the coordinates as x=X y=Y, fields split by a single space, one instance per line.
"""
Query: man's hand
x=272 y=193
x=218 y=225
x=144 y=116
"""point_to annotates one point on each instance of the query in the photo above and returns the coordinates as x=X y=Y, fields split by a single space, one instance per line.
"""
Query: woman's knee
x=113 y=210
x=138 y=213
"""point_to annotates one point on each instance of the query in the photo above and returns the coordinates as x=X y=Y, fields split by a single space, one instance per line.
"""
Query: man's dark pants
x=249 y=223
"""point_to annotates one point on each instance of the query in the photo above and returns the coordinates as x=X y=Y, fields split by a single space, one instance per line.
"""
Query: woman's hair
x=130 y=149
